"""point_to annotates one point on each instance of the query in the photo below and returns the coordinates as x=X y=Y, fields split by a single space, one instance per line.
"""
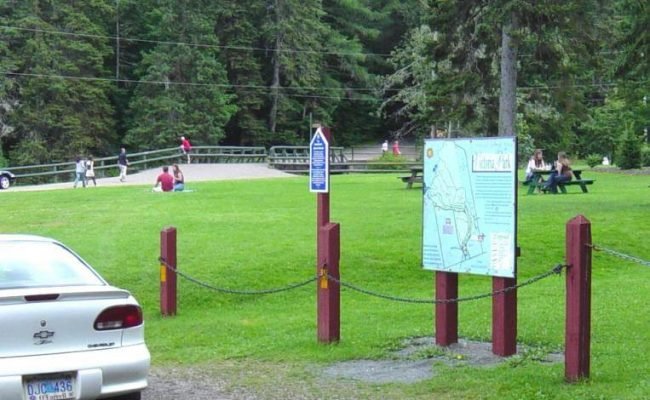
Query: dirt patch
x=419 y=358
x=415 y=359
x=382 y=371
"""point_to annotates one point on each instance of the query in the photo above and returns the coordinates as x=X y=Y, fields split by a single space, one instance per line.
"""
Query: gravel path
x=192 y=173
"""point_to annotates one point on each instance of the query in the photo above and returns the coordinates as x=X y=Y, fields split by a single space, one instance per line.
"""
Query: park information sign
x=469 y=206
x=319 y=174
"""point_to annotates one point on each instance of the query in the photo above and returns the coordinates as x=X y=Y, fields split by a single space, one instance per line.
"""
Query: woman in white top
x=536 y=162
x=90 y=170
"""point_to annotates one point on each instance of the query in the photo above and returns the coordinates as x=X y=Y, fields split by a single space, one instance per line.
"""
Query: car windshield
x=26 y=264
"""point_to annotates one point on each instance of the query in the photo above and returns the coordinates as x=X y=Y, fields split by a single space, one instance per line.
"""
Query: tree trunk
x=275 y=92
x=275 y=84
x=117 y=42
x=508 y=96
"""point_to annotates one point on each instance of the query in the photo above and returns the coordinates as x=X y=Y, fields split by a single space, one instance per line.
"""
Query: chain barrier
x=553 y=271
x=234 y=291
x=621 y=255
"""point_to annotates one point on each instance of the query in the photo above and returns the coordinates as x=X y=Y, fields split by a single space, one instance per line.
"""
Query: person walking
x=80 y=172
x=122 y=163
x=384 y=147
x=90 y=170
x=396 y=150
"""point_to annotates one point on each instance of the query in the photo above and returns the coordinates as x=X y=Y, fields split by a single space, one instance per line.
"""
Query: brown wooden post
x=168 y=271
x=504 y=317
x=578 y=299
x=329 y=290
x=323 y=213
x=446 y=313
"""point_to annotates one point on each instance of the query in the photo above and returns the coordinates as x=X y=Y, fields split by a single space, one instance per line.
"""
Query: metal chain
x=621 y=255
x=234 y=291
x=554 y=271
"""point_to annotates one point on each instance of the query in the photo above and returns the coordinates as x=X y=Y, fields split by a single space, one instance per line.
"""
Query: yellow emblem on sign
x=429 y=152
x=163 y=273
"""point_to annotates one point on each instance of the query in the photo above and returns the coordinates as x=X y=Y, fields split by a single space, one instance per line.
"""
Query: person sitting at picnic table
x=561 y=173
x=164 y=181
x=536 y=163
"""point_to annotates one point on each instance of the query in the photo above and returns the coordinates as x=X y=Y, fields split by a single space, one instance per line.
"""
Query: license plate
x=49 y=387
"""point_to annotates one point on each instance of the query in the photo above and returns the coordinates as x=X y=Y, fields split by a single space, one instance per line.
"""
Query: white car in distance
x=65 y=333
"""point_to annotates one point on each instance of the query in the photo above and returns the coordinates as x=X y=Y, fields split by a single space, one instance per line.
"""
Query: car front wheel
x=4 y=182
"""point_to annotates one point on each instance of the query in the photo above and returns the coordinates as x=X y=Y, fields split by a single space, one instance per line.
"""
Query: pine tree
x=56 y=80
x=462 y=46
x=293 y=33
x=629 y=156
x=182 y=87
x=237 y=26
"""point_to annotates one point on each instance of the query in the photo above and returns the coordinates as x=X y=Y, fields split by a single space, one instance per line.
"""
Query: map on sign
x=469 y=206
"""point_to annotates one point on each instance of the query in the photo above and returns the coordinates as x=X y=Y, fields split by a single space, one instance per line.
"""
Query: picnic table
x=415 y=177
x=537 y=181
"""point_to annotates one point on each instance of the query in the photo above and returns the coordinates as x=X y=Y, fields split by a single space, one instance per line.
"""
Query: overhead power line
x=200 y=45
x=367 y=91
x=196 y=84
x=573 y=85
x=173 y=83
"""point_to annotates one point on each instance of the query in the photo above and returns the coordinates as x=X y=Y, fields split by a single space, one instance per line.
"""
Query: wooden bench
x=537 y=182
x=410 y=180
x=582 y=182
x=415 y=177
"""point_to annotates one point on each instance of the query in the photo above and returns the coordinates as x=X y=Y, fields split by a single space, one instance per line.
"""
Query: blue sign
x=319 y=165
x=469 y=207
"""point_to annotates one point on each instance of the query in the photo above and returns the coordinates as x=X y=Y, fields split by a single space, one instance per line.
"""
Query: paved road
x=192 y=173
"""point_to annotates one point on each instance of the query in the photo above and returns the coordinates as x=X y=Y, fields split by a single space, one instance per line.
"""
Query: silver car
x=6 y=179
x=65 y=333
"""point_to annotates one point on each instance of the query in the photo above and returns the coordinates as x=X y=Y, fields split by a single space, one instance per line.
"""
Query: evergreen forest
x=83 y=77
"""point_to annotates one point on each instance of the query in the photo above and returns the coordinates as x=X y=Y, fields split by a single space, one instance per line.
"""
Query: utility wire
x=576 y=85
x=200 y=45
x=244 y=48
x=116 y=38
x=262 y=87
x=170 y=83
x=193 y=84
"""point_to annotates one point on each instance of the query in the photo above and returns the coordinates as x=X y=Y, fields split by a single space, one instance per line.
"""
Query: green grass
x=260 y=234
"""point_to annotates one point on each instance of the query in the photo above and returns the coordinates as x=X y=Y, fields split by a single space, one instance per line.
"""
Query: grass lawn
x=260 y=234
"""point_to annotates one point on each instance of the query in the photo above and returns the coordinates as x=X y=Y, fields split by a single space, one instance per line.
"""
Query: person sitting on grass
x=179 y=179
x=561 y=174
x=164 y=181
